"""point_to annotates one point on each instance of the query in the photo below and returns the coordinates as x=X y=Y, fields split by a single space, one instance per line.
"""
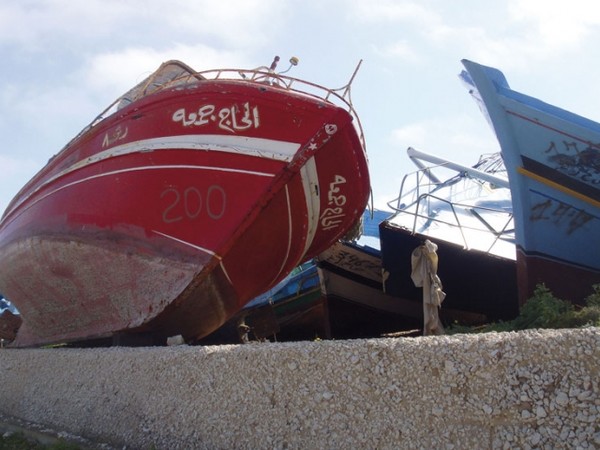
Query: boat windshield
x=471 y=207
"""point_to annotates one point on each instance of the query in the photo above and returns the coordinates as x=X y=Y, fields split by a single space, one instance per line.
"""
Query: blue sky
x=63 y=61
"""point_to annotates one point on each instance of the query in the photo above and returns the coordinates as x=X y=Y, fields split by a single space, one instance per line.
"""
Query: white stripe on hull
x=258 y=147
x=202 y=249
x=290 y=231
x=189 y=244
x=310 y=184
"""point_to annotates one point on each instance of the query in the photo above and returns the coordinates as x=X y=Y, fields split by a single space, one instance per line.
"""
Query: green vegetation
x=18 y=441
x=544 y=310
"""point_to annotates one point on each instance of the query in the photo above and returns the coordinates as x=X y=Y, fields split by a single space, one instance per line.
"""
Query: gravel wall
x=535 y=389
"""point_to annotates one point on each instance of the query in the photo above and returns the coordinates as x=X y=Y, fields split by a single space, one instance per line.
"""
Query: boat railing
x=478 y=212
x=262 y=75
x=422 y=195
x=162 y=79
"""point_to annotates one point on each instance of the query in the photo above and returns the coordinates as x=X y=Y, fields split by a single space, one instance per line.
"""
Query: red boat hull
x=566 y=281
x=171 y=214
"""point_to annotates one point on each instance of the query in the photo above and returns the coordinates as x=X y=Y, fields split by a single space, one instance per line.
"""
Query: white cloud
x=414 y=134
x=557 y=23
x=239 y=22
x=16 y=166
x=509 y=34
x=15 y=171
x=120 y=70
x=395 y=11
x=31 y=24
x=398 y=50
x=534 y=31
x=456 y=138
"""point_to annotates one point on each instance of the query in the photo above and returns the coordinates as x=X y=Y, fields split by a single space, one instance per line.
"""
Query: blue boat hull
x=552 y=158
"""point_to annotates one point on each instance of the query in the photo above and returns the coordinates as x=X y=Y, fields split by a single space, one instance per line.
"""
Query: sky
x=63 y=61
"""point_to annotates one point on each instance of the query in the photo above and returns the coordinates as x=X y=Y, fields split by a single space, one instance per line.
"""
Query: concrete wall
x=536 y=389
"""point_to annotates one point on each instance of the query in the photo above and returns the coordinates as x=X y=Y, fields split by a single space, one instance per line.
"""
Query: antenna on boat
x=274 y=64
x=346 y=89
x=271 y=69
x=293 y=62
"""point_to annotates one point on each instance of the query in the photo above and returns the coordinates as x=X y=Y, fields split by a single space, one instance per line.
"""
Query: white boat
x=467 y=213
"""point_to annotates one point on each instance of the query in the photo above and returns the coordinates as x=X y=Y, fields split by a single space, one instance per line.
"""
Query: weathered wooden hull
x=366 y=298
x=172 y=213
x=552 y=158
x=9 y=325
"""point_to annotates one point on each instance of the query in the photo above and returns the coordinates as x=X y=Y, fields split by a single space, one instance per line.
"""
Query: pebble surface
x=532 y=389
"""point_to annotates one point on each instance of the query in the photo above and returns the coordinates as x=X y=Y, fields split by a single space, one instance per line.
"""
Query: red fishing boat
x=189 y=196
